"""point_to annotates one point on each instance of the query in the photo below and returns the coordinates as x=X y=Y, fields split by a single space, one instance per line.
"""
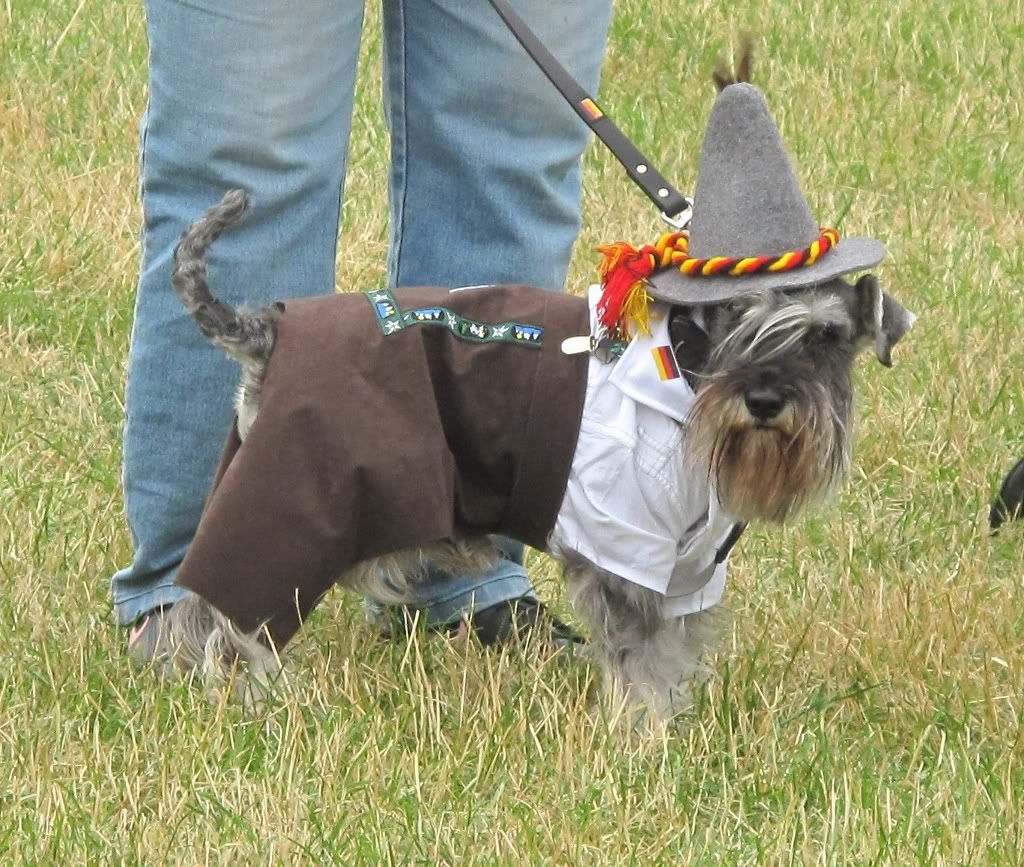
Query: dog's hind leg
x=389 y=579
x=649 y=661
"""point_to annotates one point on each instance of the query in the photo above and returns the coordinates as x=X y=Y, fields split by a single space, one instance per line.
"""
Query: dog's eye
x=829 y=333
x=823 y=336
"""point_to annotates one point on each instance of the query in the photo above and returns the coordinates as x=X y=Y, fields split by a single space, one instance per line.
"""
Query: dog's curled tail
x=248 y=337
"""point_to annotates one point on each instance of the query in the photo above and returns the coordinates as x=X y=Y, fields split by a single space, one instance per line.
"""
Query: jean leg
x=243 y=93
x=485 y=180
x=485 y=183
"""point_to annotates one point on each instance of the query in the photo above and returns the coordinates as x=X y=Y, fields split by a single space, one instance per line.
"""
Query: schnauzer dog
x=766 y=434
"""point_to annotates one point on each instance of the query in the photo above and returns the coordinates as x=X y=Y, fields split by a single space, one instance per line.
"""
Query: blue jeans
x=484 y=188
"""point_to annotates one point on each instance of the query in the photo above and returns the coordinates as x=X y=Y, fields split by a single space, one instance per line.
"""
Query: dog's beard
x=770 y=470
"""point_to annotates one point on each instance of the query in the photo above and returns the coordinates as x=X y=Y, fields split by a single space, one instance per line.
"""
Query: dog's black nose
x=763 y=403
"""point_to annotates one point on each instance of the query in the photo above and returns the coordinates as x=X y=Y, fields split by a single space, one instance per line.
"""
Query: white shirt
x=632 y=506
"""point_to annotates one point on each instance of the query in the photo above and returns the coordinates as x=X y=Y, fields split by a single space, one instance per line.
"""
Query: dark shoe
x=513 y=619
x=1008 y=505
x=496 y=624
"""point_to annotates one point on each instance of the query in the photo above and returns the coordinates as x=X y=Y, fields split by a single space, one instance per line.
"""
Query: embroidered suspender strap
x=675 y=207
x=392 y=319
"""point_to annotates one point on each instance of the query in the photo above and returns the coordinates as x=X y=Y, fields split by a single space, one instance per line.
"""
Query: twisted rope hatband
x=624 y=271
x=673 y=249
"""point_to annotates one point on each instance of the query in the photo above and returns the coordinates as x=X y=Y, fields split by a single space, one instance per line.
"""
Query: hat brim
x=850 y=254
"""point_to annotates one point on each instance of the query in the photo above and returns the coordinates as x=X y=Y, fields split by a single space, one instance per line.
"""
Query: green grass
x=869 y=698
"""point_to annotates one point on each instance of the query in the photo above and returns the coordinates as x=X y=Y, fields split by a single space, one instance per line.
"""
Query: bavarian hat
x=748 y=208
x=751 y=228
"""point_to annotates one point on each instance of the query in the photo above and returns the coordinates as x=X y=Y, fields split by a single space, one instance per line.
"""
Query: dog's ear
x=881 y=319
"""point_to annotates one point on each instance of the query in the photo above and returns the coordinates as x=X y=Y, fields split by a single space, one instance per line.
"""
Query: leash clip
x=681 y=221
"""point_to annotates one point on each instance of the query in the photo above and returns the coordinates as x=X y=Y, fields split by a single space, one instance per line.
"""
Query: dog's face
x=771 y=422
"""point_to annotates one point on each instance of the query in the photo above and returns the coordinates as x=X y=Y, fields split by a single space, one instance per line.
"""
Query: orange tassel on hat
x=624 y=271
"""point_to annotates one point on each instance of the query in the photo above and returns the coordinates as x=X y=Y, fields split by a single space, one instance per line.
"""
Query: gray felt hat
x=748 y=203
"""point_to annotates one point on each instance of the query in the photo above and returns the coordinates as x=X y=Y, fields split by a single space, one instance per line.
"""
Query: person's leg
x=254 y=94
x=485 y=183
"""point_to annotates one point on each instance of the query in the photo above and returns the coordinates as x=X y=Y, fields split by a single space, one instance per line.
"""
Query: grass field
x=868 y=707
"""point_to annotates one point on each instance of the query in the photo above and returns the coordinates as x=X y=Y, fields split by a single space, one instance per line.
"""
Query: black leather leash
x=675 y=208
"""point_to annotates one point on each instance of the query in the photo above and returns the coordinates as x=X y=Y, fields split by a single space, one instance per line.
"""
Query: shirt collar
x=647 y=372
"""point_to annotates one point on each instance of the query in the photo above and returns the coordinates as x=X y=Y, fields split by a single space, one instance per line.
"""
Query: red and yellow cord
x=624 y=271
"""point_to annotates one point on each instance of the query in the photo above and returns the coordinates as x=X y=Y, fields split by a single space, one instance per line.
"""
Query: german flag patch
x=590 y=107
x=665 y=361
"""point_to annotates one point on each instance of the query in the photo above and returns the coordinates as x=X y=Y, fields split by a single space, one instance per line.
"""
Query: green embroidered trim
x=392 y=319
